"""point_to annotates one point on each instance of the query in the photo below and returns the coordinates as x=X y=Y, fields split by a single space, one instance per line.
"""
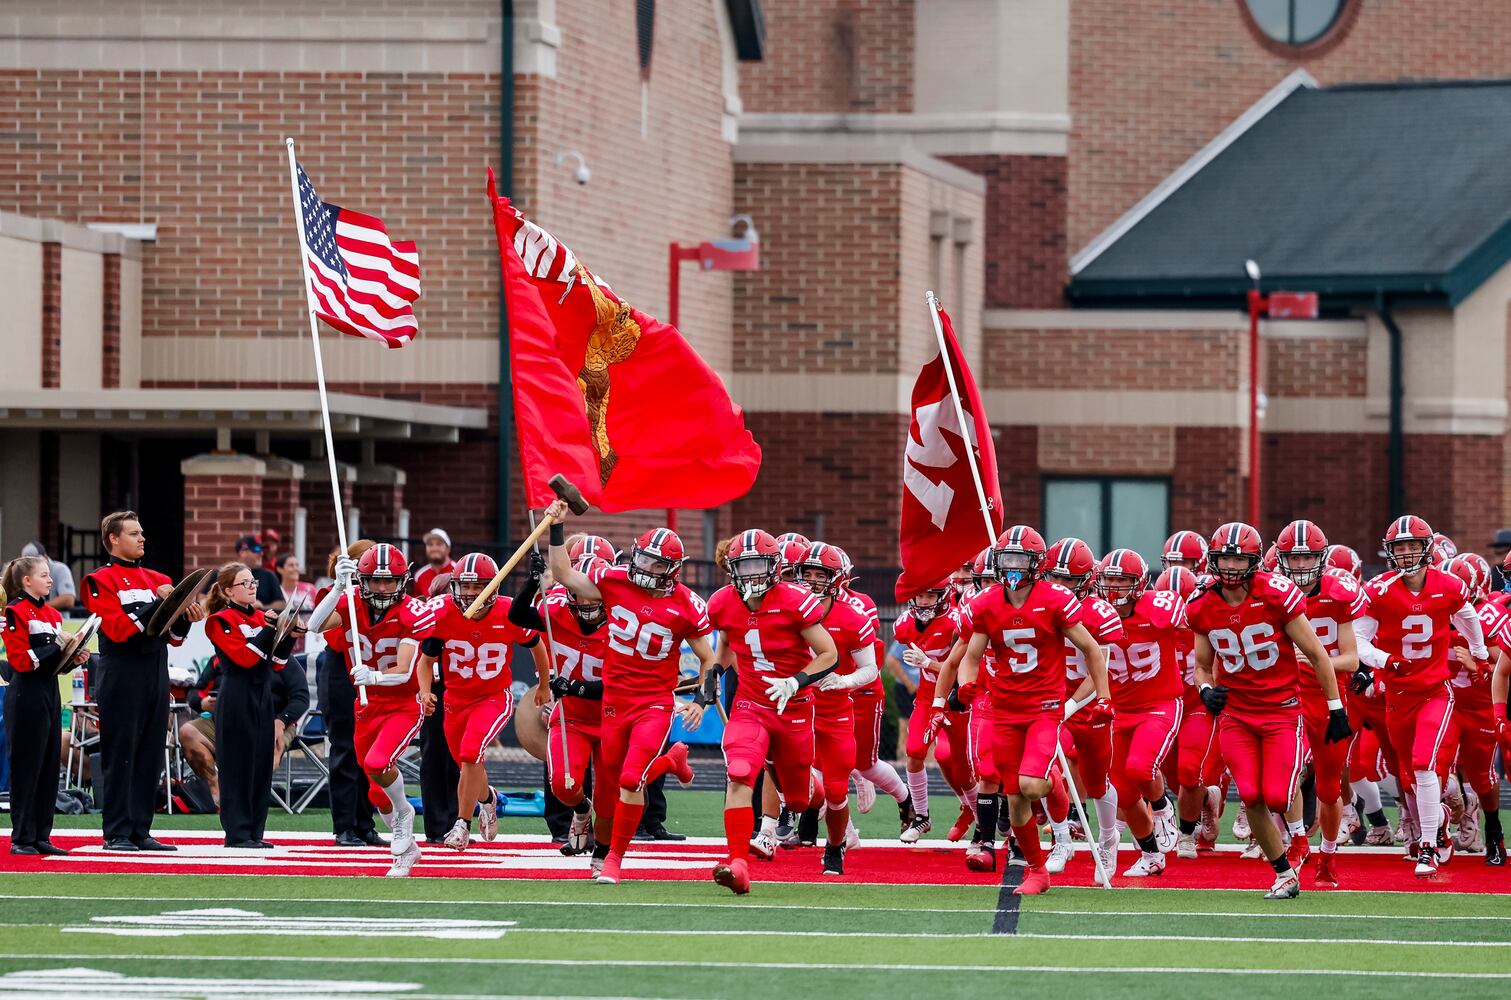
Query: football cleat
x=1166 y=830
x=916 y=828
x=1287 y=886
x=1253 y=850
x=962 y=825
x=458 y=836
x=1495 y=853
x=784 y=828
x=807 y=829
x=905 y=812
x=1427 y=861
x=1147 y=866
x=1467 y=837
x=487 y=816
x=1380 y=836
x=852 y=836
x=1351 y=823
x=680 y=769
x=579 y=836
x=1035 y=882
x=402 y=826
x=734 y=875
x=1211 y=810
x=1059 y=856
x=981 y=857
x=1015 y=858
x=404 y=861
x=1241 y=830
x=834 y=859
x=1444 y=846
x=763 y=846
x=600 y=854
x=1185 y=847
x=609 y=873
x=1327 y=871
x=1107 y=850
x=865 y=794
x=1298 y=852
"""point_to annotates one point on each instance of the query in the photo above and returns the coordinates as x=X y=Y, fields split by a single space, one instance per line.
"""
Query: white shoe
x=1241 y=830
x=487 y=818
x=458 y=836
x=1350 y=823
x=1185 y=847
x=852 y=837
x=580 y=835
x=1211 y=811
x=402 y=826
x=1059 y=855
x=1107 y=851
x=865 y=794
x=402 y=863
x=1147 y=866
x=1287 y=886
x=1253 y=850
x=763 y=846
x=1166 y=831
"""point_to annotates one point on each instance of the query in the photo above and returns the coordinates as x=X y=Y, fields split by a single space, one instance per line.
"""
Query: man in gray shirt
x=63 y=594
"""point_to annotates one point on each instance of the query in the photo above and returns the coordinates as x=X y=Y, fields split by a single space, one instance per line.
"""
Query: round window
x=1295 y=22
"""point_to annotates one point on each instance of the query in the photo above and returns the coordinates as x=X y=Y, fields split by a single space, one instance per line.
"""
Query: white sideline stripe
x=577 y=963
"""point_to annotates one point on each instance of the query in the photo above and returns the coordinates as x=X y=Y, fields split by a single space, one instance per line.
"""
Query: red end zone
x=885 y=862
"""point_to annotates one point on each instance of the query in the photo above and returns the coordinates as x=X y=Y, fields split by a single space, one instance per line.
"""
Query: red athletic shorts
x=834 y=750
x=1024 y=746
x=1198 y=748
x=572 y=742
x=1140 y=742
x=633 y=734
x=756 y=734
x=1264 y=755
x=918 y=722
x=472 y=726
x=1090 y=746
x=383 y=731
x=1423 y=733
x=868 y=708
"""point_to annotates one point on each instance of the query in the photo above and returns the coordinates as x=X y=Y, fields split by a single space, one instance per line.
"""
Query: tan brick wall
x=1114 y=359
x=1093 y=450
x=833 y=55
x=1152 y=81
x=1332 y=367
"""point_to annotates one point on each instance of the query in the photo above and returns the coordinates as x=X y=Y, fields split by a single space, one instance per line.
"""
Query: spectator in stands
x=351 y=812
x=438 y=555
x=297 y=592
x=249 y=551
x=63 y=594
x=271 y=540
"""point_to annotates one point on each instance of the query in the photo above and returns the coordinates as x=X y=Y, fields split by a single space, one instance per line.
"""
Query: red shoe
x=981 y=857
x=1298 y=852
x=609 y=873
x=734 y=875
x=676 y=757
x=1327 y=875
x=962 y=825
x=1035 y=882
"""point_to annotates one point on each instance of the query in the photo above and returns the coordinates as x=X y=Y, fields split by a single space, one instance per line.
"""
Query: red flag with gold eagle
x=614 y=399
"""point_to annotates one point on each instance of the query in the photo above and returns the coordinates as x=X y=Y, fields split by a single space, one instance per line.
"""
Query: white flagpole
x=545 y=613
x=1103 y=877
x=325 y=411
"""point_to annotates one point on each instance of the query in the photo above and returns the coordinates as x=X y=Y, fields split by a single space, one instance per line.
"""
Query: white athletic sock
x=968 y=799
x=1429 y=805
x=1107 y=811
x=768 y=825
x=395 y=793
x=918 y=784
x=1062 y=831
x=885 y=776
x=1329 y=846
x=1369 y=793
x=1296 y=829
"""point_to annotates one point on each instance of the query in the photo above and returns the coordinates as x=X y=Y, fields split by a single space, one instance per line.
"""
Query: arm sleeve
x=1365 y=628
x=45 y=650
x=865 y=669
x=121 y=620
x=18 y=649
x=298 y=687
x=522 y=610
x=432 y=647
x=1467 y=620
x=231 y=644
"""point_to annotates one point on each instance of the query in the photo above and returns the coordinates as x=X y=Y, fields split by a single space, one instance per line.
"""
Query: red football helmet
x=1464 y=568
x=821 y=569
x=1178 y=579
x=960 y=580
x=981 y=570
x=1345 y=560
x=1184 y=548
x=1302 y=552
x=1234 y=539
x=1123 y=576
x=382 y=578
x=789 y=537
x=1482 y=565
x=1016 y=556
x=1413 y=537
x=655 y=559
x=928 y=604
x=591 y=547
x=755 y=561
x=847 y=570
x=1443 y=549
x=789 y=553
x=1070 y=563
x=472 y=574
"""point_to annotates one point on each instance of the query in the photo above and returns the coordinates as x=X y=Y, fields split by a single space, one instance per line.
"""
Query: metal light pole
x=1256 y=309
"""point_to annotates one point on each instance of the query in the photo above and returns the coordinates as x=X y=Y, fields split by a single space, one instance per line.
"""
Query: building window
x=1295 y=22
x=1109 y=512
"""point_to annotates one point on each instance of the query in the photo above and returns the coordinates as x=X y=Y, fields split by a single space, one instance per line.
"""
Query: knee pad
x=741 y=772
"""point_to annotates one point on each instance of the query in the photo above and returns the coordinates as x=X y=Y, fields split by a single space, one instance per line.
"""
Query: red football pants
x=1423 y=733
x=1328 y=759
x=1264 y=756
x=573 y=740
x=982 y=758
x=470 y=728
x=1199 y=749
x=384 y=731
x=1025 y=747
x=1477 y=748
x=834 y=750
x=1367 y=715
x=756 y=733
x=1140 y=743
x=1091 y=748
x=633 y=735
x=868 y=708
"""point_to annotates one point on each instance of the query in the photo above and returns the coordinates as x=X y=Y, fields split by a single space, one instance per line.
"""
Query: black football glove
x=954 y=702
x=1362 y=680
x=1215 y=697
x=1338 y=728
x=537 y=565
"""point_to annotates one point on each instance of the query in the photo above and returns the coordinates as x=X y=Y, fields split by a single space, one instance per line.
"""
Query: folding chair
x=309 y=740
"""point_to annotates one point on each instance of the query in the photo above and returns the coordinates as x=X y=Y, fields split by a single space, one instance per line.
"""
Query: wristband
x=939 y=702
x=558 y=533
x=1203 y=687
x=1334 y=704
x=803 y=680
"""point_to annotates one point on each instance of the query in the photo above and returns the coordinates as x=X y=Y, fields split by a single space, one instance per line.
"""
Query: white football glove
x=780 y=690
x=346 y=571
x=915 y=657
x=364 y=675
x=833 y=682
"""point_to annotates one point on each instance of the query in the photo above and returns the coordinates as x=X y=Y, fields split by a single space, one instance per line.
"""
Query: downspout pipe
x=1397 y=438
x=505 y=187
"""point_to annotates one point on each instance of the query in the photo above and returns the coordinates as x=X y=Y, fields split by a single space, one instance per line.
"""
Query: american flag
x=363 y=282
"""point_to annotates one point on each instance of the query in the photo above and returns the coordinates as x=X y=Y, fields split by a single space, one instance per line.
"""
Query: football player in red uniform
x=1199 y=769
x=1144 y=671
x=927 y=631
x=1186 y=549
x=1333 y=603
x=1249 y=626
x=474 y=654
x=650 y=614
x=1501 y=712
x=1025 y=622
x=774 y=631
x=1407 y=637
x=388 y=631
x=1473 y=706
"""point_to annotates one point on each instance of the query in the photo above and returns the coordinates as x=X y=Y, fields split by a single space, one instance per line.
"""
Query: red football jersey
x=1471 y=691
x=1144 y=663
x=409 y=621
x=1415 y=628
x=767 y=642
x=475 y=654
x=575 y=655
x=936 y=639
x=645 y=634
x=850 y=628
x=1105 y=625
x=1028 y=643
x=1253 y=658
x=866 y=604
x=1339 y=600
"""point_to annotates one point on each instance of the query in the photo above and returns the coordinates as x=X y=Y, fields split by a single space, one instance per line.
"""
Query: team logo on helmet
x=1346 y=561
x=1184 y=548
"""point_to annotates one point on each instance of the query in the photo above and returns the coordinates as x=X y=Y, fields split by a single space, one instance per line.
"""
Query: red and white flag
x=942 y=525
x=363 y=282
